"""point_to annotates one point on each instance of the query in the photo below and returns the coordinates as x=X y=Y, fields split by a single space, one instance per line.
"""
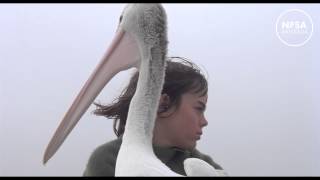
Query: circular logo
x=294 y=27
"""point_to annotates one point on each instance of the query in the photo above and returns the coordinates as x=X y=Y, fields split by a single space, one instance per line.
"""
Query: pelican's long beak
x=122 y=54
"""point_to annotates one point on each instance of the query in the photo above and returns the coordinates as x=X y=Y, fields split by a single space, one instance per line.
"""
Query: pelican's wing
x=198 y=167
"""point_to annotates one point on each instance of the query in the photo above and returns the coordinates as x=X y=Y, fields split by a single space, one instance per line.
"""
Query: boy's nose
x=204 y=122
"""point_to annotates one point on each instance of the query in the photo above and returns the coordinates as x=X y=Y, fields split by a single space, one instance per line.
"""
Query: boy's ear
x=164 y=103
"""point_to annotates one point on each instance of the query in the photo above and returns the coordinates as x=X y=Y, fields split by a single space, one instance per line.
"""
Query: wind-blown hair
x=181 y=76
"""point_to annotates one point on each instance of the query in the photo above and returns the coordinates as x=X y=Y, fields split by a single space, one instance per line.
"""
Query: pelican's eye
x=120 y=19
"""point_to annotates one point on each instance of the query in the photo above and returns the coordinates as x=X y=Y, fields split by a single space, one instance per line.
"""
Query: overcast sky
x=263 y=106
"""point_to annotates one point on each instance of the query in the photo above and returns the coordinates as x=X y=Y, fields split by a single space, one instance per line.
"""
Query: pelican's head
x=147 y=24
x=141 y=31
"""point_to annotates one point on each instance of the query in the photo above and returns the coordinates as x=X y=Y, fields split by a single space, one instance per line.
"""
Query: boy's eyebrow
x=202 y=104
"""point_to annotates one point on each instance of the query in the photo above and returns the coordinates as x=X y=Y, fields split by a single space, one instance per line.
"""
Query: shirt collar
x=167 y=153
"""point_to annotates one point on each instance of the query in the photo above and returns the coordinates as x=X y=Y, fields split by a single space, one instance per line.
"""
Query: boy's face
x=184 y=127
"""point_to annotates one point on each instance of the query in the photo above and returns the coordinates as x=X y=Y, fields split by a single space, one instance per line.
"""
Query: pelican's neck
x=144 y=104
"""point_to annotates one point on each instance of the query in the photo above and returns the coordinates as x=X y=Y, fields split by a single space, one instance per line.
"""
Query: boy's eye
x=201 y=109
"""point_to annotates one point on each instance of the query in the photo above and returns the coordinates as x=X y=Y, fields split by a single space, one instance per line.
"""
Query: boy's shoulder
x=103 y=159
x=111 y=147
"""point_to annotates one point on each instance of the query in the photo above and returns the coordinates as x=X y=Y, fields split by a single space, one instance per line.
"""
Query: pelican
x=141 y=42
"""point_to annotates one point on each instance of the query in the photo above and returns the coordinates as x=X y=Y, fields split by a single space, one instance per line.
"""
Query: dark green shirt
x=102 y=161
